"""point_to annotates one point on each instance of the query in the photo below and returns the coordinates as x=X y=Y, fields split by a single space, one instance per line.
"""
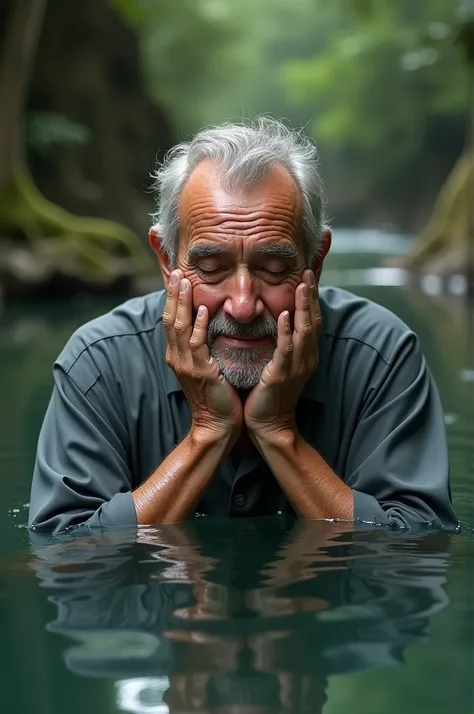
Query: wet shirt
x=371 y=410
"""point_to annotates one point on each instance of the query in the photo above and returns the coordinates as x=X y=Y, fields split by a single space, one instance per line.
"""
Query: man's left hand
x=270 y=406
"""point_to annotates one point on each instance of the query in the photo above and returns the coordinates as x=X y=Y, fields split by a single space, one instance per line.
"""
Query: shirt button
x=240 y=500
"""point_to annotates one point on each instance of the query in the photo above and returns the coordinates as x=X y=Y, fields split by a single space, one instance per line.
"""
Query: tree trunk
x=16 y=63
x=447 y=231
x=447 y=243
x=470 y=188
x=42 y=246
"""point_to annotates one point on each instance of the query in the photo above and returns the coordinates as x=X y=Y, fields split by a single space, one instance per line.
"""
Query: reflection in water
x=143 y=695
x=239 y=615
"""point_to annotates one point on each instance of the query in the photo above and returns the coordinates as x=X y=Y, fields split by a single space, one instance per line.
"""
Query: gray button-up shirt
x=370 y=409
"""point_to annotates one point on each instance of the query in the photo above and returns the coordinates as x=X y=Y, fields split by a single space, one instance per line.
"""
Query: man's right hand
x=215 y=406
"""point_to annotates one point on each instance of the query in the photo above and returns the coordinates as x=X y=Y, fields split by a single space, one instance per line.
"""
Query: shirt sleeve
x=81 y=474
x=398 y=462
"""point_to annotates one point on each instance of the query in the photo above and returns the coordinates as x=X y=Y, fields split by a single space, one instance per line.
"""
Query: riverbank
x=55 y=270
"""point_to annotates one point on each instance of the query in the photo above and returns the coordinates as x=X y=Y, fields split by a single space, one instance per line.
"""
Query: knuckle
x=180 y=368
x=167 y=322
x=179 y=326
x=318 y=321
x=307 y=330
x=196 y=371
x=194 y=343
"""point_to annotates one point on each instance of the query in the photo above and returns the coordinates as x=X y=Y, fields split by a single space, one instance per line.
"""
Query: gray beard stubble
x=243 y=367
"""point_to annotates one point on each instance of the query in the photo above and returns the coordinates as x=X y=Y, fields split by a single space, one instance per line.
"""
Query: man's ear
x=318 y=260
x=163 y=260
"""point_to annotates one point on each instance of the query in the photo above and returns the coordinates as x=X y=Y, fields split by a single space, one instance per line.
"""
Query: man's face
x=243 y=253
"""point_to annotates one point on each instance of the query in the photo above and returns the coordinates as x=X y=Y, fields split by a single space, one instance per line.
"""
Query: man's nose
x=243 y=302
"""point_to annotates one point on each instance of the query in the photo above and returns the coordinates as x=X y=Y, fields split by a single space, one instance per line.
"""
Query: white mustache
x=222 y=324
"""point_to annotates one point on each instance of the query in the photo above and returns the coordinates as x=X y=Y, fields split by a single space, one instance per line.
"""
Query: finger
x=171 y=305
x=314 y=304
x=198 y=340
x=279 y=367
x=305 y=335
x=183 y=321
x=303 y=324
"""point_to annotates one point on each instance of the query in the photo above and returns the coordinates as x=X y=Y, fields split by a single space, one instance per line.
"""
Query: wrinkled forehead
x=209 y=204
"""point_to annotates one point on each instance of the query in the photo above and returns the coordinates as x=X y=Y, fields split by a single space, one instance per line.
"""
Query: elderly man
x=242 y=389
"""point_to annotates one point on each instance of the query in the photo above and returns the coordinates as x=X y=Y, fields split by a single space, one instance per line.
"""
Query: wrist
x=277 y=435
x=210 y=435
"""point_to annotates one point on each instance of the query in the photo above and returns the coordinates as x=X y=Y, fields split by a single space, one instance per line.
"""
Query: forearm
x=173 y=490
x=311 y=486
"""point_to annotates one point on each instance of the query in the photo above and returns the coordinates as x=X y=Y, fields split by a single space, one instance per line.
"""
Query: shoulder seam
x=362 y=342
x=111 y=337
x=85 y=395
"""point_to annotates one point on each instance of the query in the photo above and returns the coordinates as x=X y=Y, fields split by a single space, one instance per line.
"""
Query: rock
x=56 y=269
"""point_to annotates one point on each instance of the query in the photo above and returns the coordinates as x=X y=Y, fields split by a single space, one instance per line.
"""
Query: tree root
x=94 y=250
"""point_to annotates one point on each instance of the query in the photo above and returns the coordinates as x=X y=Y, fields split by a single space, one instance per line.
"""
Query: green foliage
x=211 y=60
x=132 y=11
x=185 y=46
x=381 y=85
x=188 y=50
x=379 y=82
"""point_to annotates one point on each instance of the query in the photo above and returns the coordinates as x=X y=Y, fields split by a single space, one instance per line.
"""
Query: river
x=245 y=616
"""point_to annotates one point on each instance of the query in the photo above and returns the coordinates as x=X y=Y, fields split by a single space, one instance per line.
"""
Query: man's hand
x=173 y=491
x=215 y=405
x=270 y=406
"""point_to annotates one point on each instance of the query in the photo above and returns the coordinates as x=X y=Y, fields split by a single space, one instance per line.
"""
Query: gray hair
x=244 y=152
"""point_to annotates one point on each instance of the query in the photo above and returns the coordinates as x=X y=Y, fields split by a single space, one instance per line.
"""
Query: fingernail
x=201 y=311
x=304 y=290
x=174 y=279
x=311 y=280
x=183 y=286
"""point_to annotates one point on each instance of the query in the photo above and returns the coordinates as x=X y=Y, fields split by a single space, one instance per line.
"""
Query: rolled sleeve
x=398 y=462
x=81 y=474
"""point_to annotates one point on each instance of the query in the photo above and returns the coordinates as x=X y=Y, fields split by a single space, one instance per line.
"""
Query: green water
x=238 y=615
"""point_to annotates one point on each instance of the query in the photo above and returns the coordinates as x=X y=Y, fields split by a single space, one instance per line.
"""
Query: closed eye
x=209 y=271
x=274 y=272
x=211 y=274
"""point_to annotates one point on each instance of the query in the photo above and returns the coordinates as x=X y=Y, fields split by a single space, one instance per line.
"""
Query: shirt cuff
x=368 y=509
x=119 y=512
